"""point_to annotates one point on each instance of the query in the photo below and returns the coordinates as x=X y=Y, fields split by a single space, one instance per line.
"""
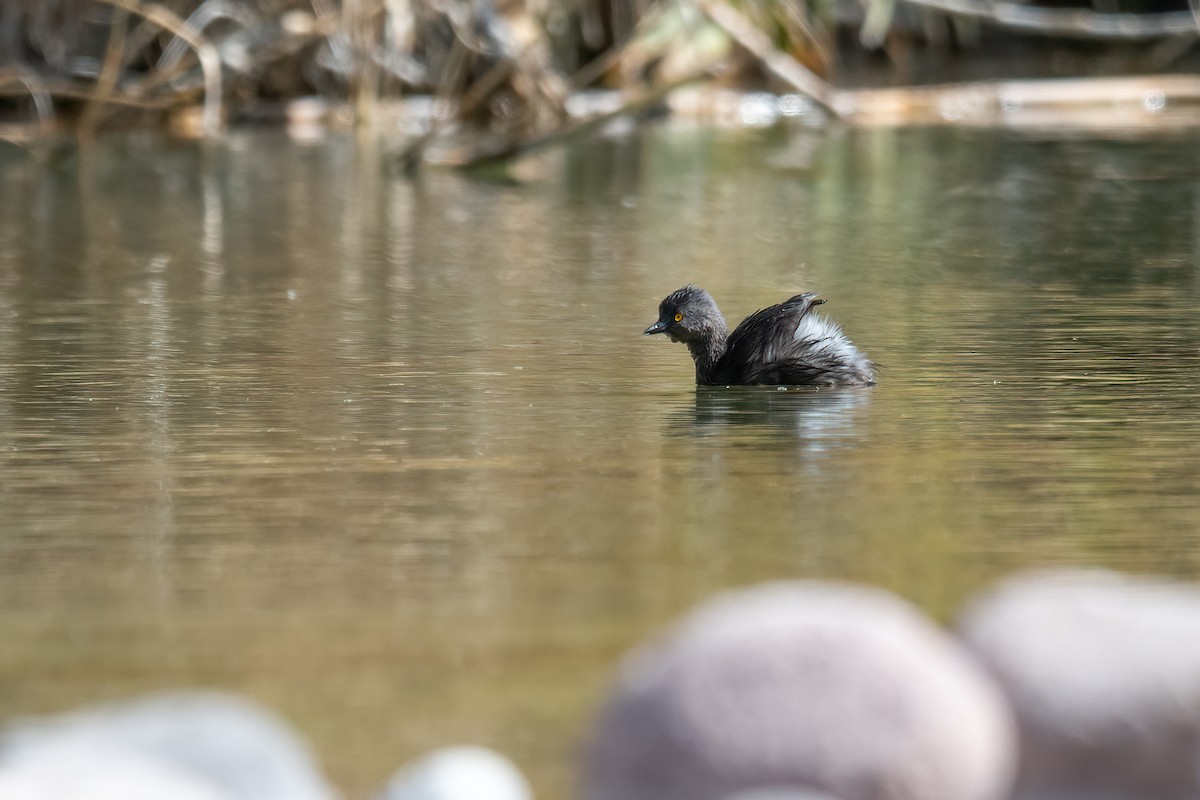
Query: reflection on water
x=393 y=457
x=803 y=419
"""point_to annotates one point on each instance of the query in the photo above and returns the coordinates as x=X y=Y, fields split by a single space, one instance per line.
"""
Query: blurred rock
x=208 y=745
x=834 y=688
x=459 y=773
x=93 y=772
x=1103 y=673
x=779 y=794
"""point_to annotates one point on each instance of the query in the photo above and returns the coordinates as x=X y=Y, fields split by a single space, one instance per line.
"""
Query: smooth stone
x=74 y=772
x=221 y=741
x=828 y=687
x=1103 y=673
x=779 y=793
x=459 y=773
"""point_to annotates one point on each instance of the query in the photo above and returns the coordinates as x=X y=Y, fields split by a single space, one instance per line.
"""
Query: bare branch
x=1073 y=22
x=36 y=88
x=200 y=19
x=210 y=59
x=109 y=72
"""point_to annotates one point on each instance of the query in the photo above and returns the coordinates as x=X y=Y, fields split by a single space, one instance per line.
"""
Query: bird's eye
x=678 y=317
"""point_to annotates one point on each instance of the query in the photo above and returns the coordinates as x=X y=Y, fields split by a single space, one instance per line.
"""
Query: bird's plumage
x=785 y=344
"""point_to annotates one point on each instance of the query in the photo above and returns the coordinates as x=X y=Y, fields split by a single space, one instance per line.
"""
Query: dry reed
x=502 y=69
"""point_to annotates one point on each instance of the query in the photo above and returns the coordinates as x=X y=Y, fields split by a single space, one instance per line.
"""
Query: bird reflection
x=816 y=419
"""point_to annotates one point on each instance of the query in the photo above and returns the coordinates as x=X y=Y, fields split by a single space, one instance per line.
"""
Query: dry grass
x=94 y=60
x=502 y=70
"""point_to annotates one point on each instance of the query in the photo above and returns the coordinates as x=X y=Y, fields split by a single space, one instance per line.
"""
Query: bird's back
x=790 y=344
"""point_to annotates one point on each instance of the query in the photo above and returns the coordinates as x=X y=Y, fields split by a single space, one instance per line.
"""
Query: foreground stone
x=1103 y=673
x=96 y=773
x=182 y=746
x=459 y=773
x=802 y=686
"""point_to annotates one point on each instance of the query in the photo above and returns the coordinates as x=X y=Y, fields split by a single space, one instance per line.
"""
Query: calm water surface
x=392 y=456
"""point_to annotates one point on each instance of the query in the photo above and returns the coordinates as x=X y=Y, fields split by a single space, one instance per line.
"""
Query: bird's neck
x=706 y=352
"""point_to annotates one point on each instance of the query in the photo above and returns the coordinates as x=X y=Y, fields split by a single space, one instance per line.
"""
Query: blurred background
x=321 y=369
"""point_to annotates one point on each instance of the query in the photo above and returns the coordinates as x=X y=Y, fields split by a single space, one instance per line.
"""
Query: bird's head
x=688 y=315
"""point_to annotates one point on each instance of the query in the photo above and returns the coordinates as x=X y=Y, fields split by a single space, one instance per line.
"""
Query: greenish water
x=393 y=457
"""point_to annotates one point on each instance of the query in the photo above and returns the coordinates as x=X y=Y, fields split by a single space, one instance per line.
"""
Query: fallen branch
x=508 y=150
x=1077 y=23
x=54 y=87
x=1135 y=100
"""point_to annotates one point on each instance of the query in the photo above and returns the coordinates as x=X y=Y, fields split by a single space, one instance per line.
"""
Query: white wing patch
x=815 y=334
x=812 y=329
x=820 y=337
x=824 y=340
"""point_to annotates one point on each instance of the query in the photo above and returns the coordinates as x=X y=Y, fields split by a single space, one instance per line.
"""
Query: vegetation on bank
x=507 y=70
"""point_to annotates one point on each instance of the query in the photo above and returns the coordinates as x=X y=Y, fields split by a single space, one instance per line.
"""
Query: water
x=392 y=456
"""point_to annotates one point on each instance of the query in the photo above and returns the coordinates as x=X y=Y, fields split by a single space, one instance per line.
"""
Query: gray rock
x=832 y=688
x=780 y=793
x=220 y=743
x=1103 y=673
x=459 y=773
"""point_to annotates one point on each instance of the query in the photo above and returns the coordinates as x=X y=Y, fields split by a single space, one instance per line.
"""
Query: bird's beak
x=658 y=327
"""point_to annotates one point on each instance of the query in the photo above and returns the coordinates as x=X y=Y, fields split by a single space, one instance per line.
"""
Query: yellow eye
x=678 y=317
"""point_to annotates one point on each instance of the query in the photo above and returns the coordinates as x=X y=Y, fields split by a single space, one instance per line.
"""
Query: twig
x=210 y=59
x=35 y=87
x=109 y=72
x=1078 y=23
x=477 y=92
x=46 y=88
x=591 y=71
x=201 y=18
x=778 y=63
x=798 y=17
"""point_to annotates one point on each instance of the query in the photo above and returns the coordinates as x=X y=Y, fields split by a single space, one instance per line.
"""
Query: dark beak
x=658 y=327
